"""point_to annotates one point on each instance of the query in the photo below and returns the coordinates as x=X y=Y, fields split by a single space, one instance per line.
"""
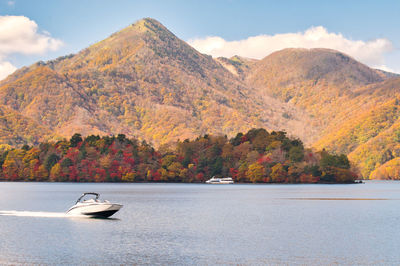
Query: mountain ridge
x=355 y=104
x=134 y=79
x=143 y=81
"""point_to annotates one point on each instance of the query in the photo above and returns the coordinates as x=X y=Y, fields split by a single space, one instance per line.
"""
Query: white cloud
x=20 y=35
x=6 y=68
x=11 y=3
x=388 y=69
x=369 y=52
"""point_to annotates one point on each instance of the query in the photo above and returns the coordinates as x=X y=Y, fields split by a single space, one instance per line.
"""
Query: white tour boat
x=225 y=180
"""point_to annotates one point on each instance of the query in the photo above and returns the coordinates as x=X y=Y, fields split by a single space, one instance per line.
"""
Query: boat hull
x=226 y=180
x=95 y=210
x=102 y=214
x=220 y=182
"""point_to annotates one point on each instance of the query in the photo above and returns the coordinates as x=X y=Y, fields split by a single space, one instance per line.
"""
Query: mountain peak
x=148 y=25
x=300 y=64
x=134 y=43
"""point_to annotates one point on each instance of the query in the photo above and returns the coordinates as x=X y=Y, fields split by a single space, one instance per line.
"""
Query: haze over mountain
x=144 y=81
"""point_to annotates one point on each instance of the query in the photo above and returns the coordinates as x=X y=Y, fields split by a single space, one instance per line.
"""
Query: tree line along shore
x=257 y=156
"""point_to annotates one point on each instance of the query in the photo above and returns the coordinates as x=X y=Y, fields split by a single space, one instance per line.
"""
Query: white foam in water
x=38 y=214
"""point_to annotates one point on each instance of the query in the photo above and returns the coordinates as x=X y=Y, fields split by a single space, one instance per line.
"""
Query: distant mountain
x=145 y=82
x=297 y=64
x=386 y=74
x=357 y=106
x=311 y=78
x=237 y=65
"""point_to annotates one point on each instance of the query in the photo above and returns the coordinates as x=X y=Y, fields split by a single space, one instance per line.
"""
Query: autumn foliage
x=145 y=82
x=257 y=156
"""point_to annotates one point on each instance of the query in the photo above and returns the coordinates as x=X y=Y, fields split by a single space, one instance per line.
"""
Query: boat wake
x=39 y=214
x=336 y=199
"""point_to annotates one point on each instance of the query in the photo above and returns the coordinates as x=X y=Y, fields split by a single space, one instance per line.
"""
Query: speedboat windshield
x=97 y=195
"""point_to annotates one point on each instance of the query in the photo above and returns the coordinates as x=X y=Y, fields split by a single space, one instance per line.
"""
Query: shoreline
x=196 y=183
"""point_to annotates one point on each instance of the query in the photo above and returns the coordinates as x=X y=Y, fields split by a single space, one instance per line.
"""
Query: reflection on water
x=203 y=224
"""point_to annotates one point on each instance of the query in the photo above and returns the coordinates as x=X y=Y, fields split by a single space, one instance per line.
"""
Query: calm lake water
x=184 y=224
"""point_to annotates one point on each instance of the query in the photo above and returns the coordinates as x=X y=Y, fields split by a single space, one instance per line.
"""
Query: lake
x=184 y=224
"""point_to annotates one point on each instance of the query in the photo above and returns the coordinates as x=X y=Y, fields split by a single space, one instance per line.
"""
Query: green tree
x=296 y=153
x=217 y=167
x=121 y=137
x=75 y=139
x=332 y=160
x=67 y=162
x=51 y=160
x=237 y=140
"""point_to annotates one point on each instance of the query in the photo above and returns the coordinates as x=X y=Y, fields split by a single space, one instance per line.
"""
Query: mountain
x=389 y=170
x=314 y=79
x=15 y=129
x=386 y=74
x=357 y=107
x=142 y=81
x=292 y=66
x=237 y=65
x=145 y=82
x=371 y=136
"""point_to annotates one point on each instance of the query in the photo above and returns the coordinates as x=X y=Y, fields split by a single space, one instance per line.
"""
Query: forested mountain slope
x=357 y=107
x=142 y=81
x=145 y=82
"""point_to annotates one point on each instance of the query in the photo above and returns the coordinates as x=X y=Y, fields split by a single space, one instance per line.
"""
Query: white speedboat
x=93 y=207
x=226 y=180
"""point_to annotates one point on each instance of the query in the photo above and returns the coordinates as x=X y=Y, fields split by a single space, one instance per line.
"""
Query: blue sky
x=77 y=24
